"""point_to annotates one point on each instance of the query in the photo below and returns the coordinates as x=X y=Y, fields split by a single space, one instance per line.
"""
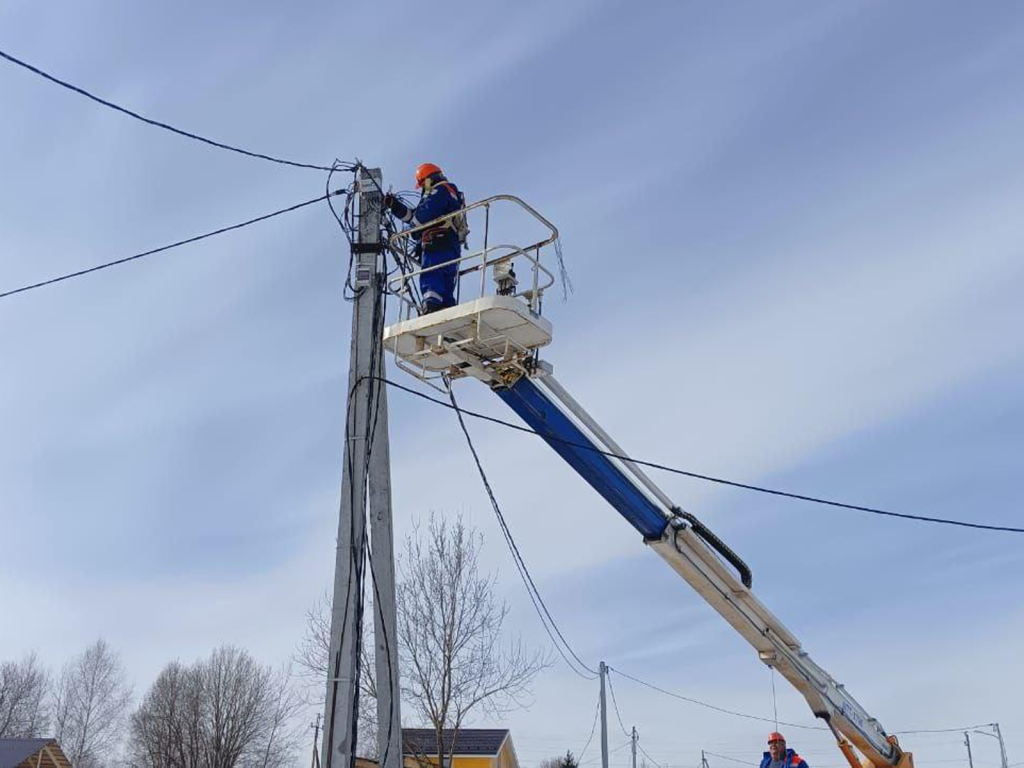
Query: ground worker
x=434 y=245
x=778 y=756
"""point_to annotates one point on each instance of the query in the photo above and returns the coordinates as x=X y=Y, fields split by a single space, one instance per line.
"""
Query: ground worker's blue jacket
x=443 y=198
x=793 y=760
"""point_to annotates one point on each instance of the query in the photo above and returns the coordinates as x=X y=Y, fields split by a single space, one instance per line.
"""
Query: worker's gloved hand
x=396 y=206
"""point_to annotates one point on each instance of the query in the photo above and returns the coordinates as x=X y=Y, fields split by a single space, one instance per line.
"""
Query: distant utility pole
x=604 y=718
x=633 y=739
x=967 y=741
x=703 y=760
x=365 y=468
x=997 y=735
x=1002 y=744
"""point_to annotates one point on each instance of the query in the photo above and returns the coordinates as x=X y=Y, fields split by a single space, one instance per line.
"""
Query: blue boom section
x=548 y=420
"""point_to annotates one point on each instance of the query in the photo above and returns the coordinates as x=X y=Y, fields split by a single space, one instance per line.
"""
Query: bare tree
x=449 y=627
x=221 y=712
x=312 y=658
x=91 y=702
x=23 y=687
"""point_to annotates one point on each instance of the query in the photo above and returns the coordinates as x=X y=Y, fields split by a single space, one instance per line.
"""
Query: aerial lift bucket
x=493 y=337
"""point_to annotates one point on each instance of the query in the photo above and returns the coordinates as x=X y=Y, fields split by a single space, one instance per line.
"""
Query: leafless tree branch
x=91 y=700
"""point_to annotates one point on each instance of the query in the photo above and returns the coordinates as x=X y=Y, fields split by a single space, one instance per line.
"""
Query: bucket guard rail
x=481 y=261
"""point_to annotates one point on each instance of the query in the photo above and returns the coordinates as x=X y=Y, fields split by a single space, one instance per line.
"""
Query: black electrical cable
x=944 y=730
x=157 y=123
x=162 y=248
x=348 y=291
x=710 y=478
x=638 y=746
x=615 y=703
x=712 y=706
x=336 y=669
x=593 y=727
x=524 y=573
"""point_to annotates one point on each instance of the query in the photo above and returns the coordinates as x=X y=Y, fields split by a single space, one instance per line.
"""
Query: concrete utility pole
x=365 y=468
x=1002 y=744
x=633 y=740
x=997 y=735
x=967 y=741
x=604 y=718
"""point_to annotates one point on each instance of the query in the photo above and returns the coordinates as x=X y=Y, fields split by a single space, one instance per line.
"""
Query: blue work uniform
x=436 y=245
x=791 y=760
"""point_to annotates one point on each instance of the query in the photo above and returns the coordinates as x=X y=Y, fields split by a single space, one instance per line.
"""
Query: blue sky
x=795 y=236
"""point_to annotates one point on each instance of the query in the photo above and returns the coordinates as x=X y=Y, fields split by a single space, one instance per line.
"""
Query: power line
x=712 y=706
x=638 y=746
x=163 y=248
x=157 y=123
x=945 y=730
x=593 y=727
x=710 y=478
x=618 y=715
x=524 y=573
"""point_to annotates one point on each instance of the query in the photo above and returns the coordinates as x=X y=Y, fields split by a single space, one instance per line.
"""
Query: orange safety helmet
x=775 y=736
x=423 y=171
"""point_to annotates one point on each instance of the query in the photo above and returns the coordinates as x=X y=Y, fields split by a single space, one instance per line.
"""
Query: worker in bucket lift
x=434 y=245
x=778 y=756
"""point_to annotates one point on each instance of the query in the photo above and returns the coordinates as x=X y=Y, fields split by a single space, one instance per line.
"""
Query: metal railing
x=486 y=258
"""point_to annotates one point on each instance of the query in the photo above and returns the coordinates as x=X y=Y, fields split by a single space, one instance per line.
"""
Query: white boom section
x=716 y=582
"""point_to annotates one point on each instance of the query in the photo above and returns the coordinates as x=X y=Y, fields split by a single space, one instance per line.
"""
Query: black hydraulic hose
x=746 y=575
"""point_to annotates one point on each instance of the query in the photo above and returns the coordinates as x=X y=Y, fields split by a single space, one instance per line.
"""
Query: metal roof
x=13 y=752
x=471 y=741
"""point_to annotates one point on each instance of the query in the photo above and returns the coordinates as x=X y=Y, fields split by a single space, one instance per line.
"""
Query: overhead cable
x=704 y=704
x=644 y=751
x=945 y=730
x=593 y=727
x=163 y=248
x=710 y=478
x=566 y=651
x=157 y=123
x=618 y=715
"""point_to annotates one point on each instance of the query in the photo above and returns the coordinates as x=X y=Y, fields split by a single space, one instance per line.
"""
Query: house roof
x=13 y=752
x=471 y=741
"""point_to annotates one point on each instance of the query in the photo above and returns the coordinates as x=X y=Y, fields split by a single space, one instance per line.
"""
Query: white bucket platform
x=480 y=338
x=493 y=337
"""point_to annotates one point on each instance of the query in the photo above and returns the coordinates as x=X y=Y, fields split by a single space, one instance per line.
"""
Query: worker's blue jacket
x=443 y=198
x=436 y=245
x=793 y=760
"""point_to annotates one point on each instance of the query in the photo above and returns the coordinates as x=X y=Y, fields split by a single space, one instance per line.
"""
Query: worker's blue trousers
x=438 y=286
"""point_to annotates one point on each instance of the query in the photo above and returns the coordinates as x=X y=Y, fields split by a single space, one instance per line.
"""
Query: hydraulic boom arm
x=709 y=566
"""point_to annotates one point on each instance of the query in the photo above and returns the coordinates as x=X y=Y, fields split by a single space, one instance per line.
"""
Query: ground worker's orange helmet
x=425 y=170
x=775 y=736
